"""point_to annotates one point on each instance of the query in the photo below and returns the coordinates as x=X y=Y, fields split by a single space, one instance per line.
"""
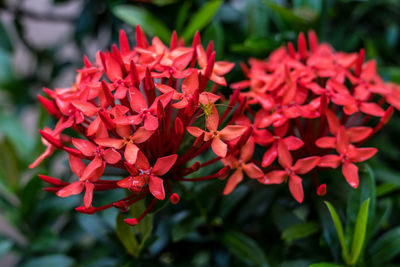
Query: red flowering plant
x=137 y=109
x=316 y=106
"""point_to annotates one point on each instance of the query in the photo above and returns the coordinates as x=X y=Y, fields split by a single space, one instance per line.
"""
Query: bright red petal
x=87 y=199
x=350 y=172
x=86 y=147
x=212 y=120
x=305 y=165
x=329 y=161
x=358 y=134
x=270 y=155
x=156 y=186
x=372 y=109
x=191 y=83
x=94 y=170
x=110 y=142
x=219 y=147
x=233 y=181
x=131 y=152
x=231 y=132
x=111 y=156
x=253 y=171
x=138 y=102
x=195 y=131
x=362 y=154
x=293 y=143
x=87 y=108
x=284 y=157
x=326 y=142
x=71 y=189
x=296 y=188
x=77 y=166
x=164 y=164
x=342 y=141
x=274 y=177
x=141 y=135
x=150 y=122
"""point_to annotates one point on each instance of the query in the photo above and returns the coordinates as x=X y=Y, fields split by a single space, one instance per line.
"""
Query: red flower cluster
x=130 y=110
x=133 y=107
x=316 y=105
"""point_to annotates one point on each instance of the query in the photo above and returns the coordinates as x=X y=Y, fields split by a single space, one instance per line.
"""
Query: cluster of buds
x=316 y=106
x=137 y=109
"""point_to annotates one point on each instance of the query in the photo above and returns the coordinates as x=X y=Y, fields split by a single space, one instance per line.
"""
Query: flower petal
x=131 y=152
x=296 y=188
x=77 y=166
x=372 y=109
x=231 y=132
x=233 y=181
x=191 y=83
x=293 y=143
x=358 y=134
x=195 y=131
x=253 y=171
x=94 y=170
x=86 y=147
x=350 y=172
x=220 y=148
x=305 y=165
x=164 y=164
x=284 y=157
x=270 y=155
x=156 y=187
x=326 y=142
x=329 y=161
x=111 y=156
x=110 y=142
x=141 y=135
x=87 y=199
x=71 y=189
x=273 y=177
x=150 y=122
x=138 y=102
x=362 y=154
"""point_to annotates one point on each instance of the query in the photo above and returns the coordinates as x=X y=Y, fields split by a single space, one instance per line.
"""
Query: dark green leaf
x=244 y=248
x=386 y=247
x=126 y=235
x=135 y=15
x=201 y=18
x=300 y=230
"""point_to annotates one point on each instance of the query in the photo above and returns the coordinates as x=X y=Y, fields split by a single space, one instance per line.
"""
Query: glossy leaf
x=126 y=235
x=359 y=232
x=386 y=247
x=201 y=18
x=300 y=230
x=150 y=24
x=339 y=230
x=244 y=248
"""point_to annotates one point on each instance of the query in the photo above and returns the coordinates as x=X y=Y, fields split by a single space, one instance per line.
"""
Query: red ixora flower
x=317 y=102
x=130 y=109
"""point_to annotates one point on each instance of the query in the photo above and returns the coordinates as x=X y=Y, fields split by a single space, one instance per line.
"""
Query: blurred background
x=41 y=45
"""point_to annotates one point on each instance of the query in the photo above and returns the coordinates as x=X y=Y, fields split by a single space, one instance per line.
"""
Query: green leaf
x=50 y=261
x=126 y=235
x=366 y=190
x=201 y=18
x=359 y=232
x=182 y=15
x=339 y=230
x=145 y=227
x=135 y=15
x=386 y=247
x=300 y=230
x=245 y=248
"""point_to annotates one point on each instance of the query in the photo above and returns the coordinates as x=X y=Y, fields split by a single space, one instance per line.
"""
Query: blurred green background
x=42 y=43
